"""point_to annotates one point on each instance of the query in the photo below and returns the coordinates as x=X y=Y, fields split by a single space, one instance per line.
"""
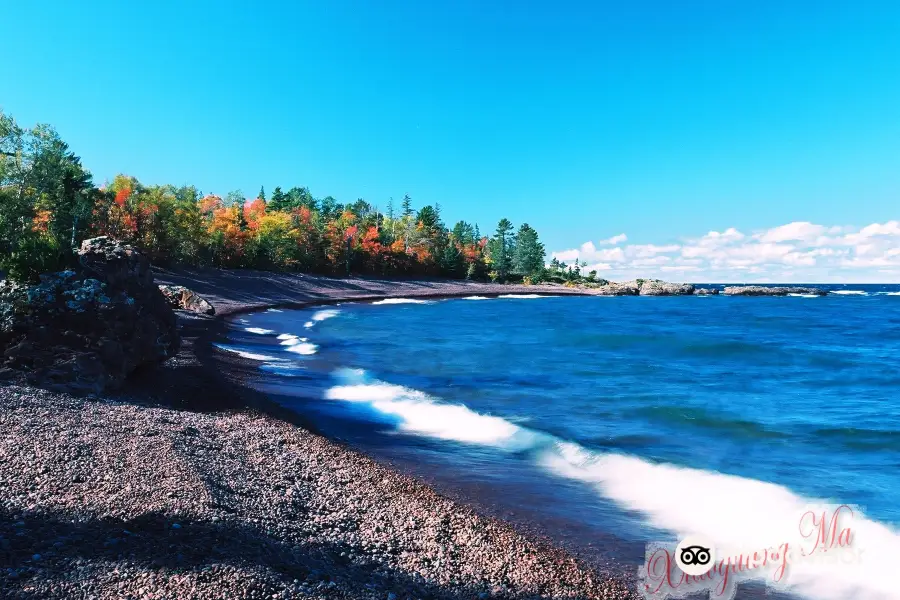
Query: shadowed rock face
x=761 y=290
x=182 y=298
x=86 y=330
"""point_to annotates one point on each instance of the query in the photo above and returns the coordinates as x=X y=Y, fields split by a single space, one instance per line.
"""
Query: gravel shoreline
x=189 y=485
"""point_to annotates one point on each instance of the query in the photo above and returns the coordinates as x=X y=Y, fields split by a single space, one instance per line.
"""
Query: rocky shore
x=185 y=484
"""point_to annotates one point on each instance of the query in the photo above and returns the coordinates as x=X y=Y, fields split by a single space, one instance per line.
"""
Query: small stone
x=35 y=557
x=176 y=526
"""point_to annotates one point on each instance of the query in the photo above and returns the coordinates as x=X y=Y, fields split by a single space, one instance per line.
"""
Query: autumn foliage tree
x=48 y=205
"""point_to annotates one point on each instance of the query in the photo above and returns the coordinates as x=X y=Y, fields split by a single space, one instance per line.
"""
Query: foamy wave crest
x=293 y=339
x=258 y=330
x=246 y=354
x=286 y=336
x=804 y=295
x=421 y=414
x=736 y=514
x=303 y=348
x=888 y=293
x=850 y=292
x=321 y=315
x=523 y=296
x=476 y=298
x=402 y=301
x=275 y=310
x=300 y=347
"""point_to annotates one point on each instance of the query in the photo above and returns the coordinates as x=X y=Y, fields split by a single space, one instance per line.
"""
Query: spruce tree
x=529 y=252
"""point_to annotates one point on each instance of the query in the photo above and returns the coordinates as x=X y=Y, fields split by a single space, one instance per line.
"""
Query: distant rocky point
x=762 y=290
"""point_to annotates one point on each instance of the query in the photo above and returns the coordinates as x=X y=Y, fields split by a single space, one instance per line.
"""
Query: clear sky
x=661 y=120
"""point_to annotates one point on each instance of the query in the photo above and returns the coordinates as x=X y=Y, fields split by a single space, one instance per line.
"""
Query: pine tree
x=407 y=206
x=529 y=252
x=277 y=201
x=262 y=193
x=501 y=249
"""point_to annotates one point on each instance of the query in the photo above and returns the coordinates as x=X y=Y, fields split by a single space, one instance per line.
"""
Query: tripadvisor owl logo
x=695 y=555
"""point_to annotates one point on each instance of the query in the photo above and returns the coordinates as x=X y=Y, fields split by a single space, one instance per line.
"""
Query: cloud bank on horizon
x=798 y=252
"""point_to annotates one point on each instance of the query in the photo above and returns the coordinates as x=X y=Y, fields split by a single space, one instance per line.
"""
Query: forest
x=49 y=203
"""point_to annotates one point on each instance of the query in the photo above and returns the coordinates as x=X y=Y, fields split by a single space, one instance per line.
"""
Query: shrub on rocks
x=86 y=330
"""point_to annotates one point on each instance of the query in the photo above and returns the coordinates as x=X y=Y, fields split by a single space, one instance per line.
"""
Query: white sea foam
x=321 y=315
x=736 y=513
x=476 y=298
x=420 y=414
x=293 y=340
x=402 y=301
x=850 y=292
x=523 y=296
x=804 y=295
x=258 y=330
x=733 y=512
x=286 y=336
x=302 y=348
x=888 y=293
x=275 y=310
x=245 y=354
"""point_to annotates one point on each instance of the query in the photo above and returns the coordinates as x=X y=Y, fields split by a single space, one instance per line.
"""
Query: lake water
x=611 y=422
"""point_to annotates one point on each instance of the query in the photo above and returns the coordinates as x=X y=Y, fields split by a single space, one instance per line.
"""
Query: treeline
x=49 y=204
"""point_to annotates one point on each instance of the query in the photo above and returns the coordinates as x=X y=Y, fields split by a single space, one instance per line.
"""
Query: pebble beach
x=187 y=485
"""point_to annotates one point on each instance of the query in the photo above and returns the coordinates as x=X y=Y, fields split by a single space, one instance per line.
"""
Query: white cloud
x=798 y=230
x=798 y=251
x=616 y=239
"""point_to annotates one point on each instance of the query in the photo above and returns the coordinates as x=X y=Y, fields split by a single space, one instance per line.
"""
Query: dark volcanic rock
x=87 y=330
x=762 y=290
x=656 y=287
x=181 y=297
x=706 y=291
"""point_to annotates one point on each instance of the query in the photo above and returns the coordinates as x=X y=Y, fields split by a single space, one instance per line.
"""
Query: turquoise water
x=616 y=419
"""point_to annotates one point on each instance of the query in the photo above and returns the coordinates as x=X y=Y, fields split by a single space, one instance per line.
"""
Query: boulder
x=627 y=288
x=182 y=298
x=763 y=290
x=86 y=330
x=655 y=287
x=706 y=291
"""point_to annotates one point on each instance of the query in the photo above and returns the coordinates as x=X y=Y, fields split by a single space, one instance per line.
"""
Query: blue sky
x=661 y=120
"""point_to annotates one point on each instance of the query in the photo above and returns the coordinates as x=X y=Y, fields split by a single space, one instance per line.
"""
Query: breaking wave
x=733 y=512
x=246 y=354
x=850 y=292
x=258 y=330
x=402 y=301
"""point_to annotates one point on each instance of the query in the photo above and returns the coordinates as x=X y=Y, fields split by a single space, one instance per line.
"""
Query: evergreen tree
x=262 y=193
x=529 y=252
x=278 y=200
x=407 y=206
x=452 y=262
x=501 y=249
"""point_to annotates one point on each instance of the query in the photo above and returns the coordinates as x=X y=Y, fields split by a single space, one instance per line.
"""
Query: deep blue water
x=576 y=414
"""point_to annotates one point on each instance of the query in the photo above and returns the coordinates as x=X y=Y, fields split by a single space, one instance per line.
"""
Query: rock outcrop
x=86 y=330
x=626 y=288
x=762 y=290
x=706 y=291
x=656 y=287
x=182 y=298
